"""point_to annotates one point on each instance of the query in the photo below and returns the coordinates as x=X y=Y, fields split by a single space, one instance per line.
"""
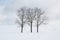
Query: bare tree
x=21 y=17
x=30 y=16
x=40 y=17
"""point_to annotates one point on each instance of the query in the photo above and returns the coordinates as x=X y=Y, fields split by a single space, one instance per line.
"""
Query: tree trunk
x=37 y=26
x=31 y=26
x=22 y=26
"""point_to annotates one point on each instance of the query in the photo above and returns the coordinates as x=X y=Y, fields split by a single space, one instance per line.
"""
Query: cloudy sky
x=9 y=30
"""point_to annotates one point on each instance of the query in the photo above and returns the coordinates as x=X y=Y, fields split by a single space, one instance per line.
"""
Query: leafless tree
x=40 y=17
x=30 y=16
x=21 y=17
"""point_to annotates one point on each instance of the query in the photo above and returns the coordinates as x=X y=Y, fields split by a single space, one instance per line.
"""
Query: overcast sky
x=8 y=10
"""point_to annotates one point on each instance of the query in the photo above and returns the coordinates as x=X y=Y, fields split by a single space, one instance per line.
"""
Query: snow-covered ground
x=51 y=31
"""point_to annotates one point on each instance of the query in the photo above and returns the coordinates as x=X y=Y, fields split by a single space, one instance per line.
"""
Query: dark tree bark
x=22 y=26
x=37 y=27
x=31 y=26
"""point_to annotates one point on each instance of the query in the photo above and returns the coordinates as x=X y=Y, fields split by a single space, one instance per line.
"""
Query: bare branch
x=18 y=22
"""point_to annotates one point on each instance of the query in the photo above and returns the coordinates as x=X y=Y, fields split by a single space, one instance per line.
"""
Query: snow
x=50 y=31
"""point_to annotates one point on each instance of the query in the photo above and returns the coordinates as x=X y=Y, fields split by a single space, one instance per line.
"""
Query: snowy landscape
x=10 y=30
